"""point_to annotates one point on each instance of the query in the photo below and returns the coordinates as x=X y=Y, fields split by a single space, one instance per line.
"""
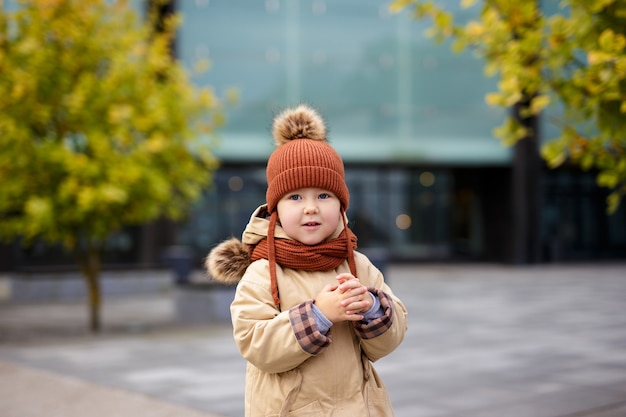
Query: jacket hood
x=228 y=261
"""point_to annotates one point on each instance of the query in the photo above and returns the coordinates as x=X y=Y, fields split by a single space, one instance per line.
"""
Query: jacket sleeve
x=263 y=334
x=382 y=335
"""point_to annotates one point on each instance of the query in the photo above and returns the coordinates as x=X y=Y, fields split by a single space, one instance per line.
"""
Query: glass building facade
x=388 y=94
x=400 y=110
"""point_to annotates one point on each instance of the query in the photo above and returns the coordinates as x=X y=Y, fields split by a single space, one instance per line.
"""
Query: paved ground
x=483 y=341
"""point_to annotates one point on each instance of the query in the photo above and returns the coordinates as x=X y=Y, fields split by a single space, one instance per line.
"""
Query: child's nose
x=310 y=208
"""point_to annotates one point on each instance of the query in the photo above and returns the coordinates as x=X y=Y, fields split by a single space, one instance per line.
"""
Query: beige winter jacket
x=285 y=377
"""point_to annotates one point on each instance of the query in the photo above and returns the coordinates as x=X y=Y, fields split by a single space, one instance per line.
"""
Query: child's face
x=309 y=215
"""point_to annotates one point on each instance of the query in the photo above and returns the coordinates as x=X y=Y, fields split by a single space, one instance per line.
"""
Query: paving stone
x=567 y=402
x=483 y=341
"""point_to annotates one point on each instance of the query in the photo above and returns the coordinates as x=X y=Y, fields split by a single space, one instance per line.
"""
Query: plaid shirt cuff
x=371 y=329
x=302 y=318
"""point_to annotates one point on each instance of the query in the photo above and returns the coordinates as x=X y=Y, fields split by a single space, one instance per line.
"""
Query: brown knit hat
x=303 y=157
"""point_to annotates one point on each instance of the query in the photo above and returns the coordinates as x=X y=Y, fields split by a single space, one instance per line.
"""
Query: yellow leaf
x=509 y=84
x=510 y=132
x=539 y=103
x=37 y=207
x=156 y=143
x=465 y=4
x=606 y=39
x=474 y=29
x=612 y=202
x=512 y=98
x=113 y=194
x=493 y=99
x=18 y=91
x=443 y=20
x=86 y=198
x=553 y=154
x=556 y=160
x=398 y=5
x=598 y=57
x=120 y=113
x=587 y=160
x=607 y=179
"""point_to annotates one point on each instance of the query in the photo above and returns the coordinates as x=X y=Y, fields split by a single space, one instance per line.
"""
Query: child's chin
x=312 y=242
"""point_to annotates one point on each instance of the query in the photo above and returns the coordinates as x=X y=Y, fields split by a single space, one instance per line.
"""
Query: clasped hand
x=344 y=301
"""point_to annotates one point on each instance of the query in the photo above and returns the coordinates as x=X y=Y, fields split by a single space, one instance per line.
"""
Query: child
x=310 y=313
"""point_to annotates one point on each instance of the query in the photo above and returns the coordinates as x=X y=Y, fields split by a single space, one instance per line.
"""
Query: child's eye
x=294 y=197
x=324 y=196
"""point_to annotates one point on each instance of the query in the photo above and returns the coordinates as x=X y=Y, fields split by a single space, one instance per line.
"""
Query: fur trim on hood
x=228 y=261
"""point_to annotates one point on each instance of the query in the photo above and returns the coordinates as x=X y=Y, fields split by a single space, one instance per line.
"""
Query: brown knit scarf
x=292 y=254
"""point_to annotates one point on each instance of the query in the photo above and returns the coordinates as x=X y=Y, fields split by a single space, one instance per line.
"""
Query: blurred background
x=512 y=272
x=428 y=180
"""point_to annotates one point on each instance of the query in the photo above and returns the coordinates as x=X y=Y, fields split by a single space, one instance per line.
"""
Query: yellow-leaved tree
x=569 y=55
x=99 y=127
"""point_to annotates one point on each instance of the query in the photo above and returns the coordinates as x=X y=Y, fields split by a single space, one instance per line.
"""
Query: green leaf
x=607 y=179
x=554 y=154
x=613 y=202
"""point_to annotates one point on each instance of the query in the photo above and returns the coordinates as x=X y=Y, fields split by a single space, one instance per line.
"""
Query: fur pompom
x=227 y=262
x=301 y=122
